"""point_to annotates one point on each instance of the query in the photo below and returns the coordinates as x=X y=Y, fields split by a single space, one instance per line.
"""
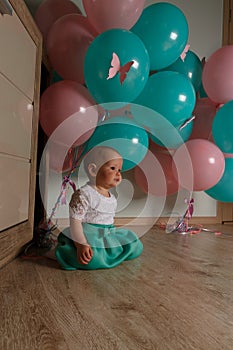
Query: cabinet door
x=18 y=54
x=16 y=112
x=14 y=189
x=20 y=67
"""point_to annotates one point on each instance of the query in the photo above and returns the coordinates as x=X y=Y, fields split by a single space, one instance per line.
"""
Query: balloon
x=191 y=67
x=55 y=77
x=200 y=164
x=58 y=153
x=222 y=128
x=217 y=75
x=204 y=113
x=69 y=105
x=105 y=14
x=169 y=93
x=202 y=93
x=156 y=165
x=172 y=137
x=49 y=11
x=120 y=111
x=223 y=190
x=164 y=30
x=67 y=43
x=131 y=55
x=125 y=136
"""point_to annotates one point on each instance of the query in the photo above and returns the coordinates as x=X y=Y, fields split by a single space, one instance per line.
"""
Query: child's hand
x=84 y=253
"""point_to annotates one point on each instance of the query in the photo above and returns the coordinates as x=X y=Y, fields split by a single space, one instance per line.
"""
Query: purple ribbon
x=66 y=181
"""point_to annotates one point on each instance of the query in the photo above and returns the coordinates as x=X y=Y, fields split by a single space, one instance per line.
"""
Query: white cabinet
x=18 y=53
x=16 y=111
x=20 y=64
x=14 y=189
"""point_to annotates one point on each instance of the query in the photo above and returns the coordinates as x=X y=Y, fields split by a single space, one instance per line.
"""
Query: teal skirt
x=110 y=246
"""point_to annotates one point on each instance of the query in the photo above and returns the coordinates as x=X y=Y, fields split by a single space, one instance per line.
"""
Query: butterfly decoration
x=116 y=68
x=183 y=55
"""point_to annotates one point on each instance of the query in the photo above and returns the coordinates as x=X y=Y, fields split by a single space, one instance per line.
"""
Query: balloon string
x=182 y=224
x=76 y=161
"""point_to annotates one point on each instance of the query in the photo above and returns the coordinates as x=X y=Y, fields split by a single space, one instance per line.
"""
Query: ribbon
x=228 y=155
x=189 y=212
x=181 y=225
x=66 y=180
x=78 y=154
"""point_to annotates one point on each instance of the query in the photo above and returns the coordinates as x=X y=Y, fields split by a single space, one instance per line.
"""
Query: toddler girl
x=92 y=241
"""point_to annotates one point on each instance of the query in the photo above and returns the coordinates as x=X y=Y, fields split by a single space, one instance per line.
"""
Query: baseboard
x=146 y=221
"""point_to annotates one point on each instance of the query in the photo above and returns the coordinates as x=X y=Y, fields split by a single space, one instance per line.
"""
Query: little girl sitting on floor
x=92 y=241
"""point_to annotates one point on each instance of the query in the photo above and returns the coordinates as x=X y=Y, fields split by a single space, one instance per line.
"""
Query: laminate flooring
x=177 y=295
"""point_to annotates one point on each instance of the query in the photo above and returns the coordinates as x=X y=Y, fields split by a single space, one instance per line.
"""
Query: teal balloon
x=56 y=77
x=222 y=128
x=170 y=94
x=164 y=30
x=98 y=61
x=125 y=136
x=223 y=190
x=191 y=67
x=172 y=137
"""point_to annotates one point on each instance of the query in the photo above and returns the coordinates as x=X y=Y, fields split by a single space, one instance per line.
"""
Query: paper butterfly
x=183 y=55
x=116 y=68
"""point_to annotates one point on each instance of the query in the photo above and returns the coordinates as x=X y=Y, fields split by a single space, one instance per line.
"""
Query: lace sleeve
x=78 y=205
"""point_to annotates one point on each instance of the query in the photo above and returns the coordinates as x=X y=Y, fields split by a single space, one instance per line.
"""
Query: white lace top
x=90 y=206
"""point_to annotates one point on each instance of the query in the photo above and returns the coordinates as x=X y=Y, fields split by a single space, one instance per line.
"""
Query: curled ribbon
x=77 y=156
x=66 y=181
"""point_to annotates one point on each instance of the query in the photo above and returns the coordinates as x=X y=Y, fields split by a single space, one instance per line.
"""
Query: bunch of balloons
x=127 y=79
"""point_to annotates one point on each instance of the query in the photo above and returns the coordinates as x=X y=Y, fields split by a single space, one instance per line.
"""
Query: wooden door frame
x=227 y=33
x=13 y=239
x=225 y=210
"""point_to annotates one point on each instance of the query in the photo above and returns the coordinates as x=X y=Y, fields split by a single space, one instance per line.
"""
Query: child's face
x=109 y=175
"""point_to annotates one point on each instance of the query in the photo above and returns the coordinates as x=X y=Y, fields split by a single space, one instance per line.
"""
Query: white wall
x=205 y=23
x=205 y=36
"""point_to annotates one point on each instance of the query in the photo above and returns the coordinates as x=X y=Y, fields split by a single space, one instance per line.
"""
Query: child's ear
x=92 y=169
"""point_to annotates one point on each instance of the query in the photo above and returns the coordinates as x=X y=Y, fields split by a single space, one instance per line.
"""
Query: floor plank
x=177 y=295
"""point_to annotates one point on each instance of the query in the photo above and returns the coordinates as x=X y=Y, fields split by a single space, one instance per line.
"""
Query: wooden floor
x=177 y=295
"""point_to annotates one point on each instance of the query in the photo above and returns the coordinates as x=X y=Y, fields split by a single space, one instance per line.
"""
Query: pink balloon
x=156 y=165
x=50 y=10
x=105 y=14
x=199 y=164
x=60 y=157
x=217 y=75
x=67 y=43
x=204 y=113
x=68 y=113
